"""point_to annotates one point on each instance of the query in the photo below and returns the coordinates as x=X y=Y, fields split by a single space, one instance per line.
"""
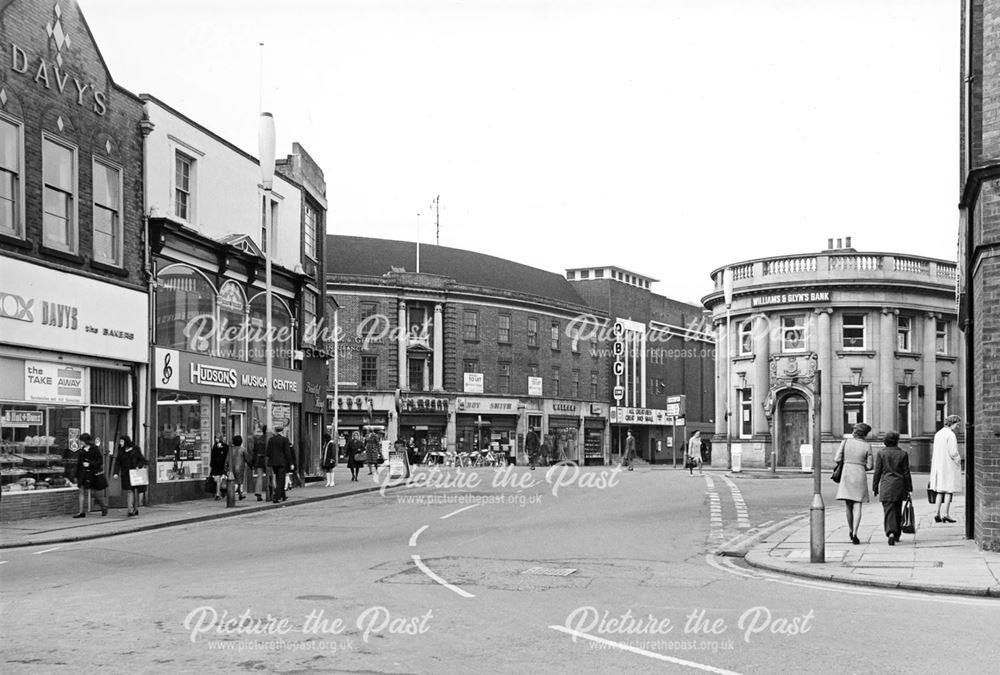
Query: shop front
x=350 y=413
x=651 y=428
x=73 y=350
x=564 y=431
x=311 y=425
x=198 y=398
x=483 y=424
x=423 y=426
x=595 y=426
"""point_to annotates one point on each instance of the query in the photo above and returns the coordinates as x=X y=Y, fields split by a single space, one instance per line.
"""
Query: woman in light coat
x=856 y=454
x=946 y=467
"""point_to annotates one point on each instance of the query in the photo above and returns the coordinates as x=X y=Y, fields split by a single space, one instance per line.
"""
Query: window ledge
x=110 y=269
x=946 y=357
x=64 y=255
x=908 y=355
x=841 y=353
x=744 y=357
x=15 y=241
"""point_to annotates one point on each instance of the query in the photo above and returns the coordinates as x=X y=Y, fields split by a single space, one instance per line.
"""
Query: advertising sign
x=23 y=418
x=473 y=383
x=183 y=371
x=534 y=386
x=55 y=382
x=639 y=416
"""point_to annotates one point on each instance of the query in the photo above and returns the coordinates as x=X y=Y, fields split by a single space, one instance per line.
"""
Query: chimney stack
x=829 y=243
x=848 y=242
x=840 y=242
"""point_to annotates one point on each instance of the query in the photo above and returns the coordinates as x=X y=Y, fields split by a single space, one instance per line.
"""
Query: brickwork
x=38 y=504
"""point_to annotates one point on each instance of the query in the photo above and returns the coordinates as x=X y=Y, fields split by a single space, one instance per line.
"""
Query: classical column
x=884 y=418
x=401 y=353
x=825 y=364
x=929 y=380
x=761 y=371
x=720 y=378
x=438 y=348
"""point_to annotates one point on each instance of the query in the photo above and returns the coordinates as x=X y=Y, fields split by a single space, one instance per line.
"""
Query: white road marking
x=455 y=513
x=742 y=514
x=4 y=562
x=413 y=539
x=426 y=570
x=643 y=652
x=48 y=550
x=765 y=524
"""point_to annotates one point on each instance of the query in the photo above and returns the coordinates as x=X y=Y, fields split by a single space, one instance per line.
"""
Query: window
x=854 y=331
x=10 y=178
x=367 y=323
x=470 y=325
x=281 y=324
x=533 y=370
x=584 y=274
x=309 y=231
x=941 y=337
x=417 y=370
x=59 y=174
x=793 y=333
x=555 y=335
x=598 y=274
x=745 y=399
x=746 y=337
x=182 y=294
x=593 y=384
x=369 y=372
x=503 y=328
x=107 y=214
x=183 y=170
x=940 y=407
x=903 y=343
x=503 y=380
x=555 y=382
x=532 y=332
x=854 y=407
x=232 y=317
x=575 y=393
x=470 y=366
x=571 y=275
x=309 y=317
x=904 y=398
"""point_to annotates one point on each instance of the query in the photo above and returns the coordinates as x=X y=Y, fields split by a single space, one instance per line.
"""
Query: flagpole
x=418 y=243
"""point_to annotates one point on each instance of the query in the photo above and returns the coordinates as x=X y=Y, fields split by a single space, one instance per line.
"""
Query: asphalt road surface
x=566 y=571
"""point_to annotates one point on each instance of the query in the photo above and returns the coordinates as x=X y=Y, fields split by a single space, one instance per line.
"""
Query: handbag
x=931 y=494
x=359 y=457
x=99 y=481
x=210 y=485
x=838 y=470
x=908 y=523
x=138 y=477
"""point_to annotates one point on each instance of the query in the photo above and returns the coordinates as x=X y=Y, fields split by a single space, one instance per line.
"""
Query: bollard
x=230 y=492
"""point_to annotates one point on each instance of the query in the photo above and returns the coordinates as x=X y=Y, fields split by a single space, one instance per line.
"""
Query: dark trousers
x=893 y=518
x=279 y=482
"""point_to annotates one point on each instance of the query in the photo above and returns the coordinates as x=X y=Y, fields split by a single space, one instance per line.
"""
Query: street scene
x=435 y=337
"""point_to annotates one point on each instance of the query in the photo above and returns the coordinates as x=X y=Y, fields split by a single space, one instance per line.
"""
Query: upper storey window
x=183 y=184
x=793 y=333
x=10 y=178
x=854 y=331
x=59 y=175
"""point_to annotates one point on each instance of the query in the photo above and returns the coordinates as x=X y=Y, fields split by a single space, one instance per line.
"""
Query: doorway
x=794 y=429
x=237 y=426
x=107 y=426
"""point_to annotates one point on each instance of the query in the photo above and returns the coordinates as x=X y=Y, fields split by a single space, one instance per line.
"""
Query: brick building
x=73 y=303
x=479 y=350
x=667 y=354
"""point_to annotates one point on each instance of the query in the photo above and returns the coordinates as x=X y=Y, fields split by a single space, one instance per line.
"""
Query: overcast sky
x=668 y=137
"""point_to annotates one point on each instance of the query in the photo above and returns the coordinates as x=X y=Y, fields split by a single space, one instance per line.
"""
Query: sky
x=667 y=137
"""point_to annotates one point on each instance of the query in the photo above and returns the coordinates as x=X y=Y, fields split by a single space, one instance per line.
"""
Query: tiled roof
x=366 y=256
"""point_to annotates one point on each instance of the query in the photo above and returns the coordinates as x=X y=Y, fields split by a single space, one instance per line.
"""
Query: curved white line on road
x=48 y=550
x=643 y=652
x=413 y=538
x=455 y=513
x=426 y=570
x=4 y=562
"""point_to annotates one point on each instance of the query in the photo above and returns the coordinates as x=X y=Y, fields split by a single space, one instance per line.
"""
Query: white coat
x=946 y=467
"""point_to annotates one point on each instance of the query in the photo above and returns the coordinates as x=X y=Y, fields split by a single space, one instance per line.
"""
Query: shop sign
x=422 y=404
x=55 y=382
x=473 y=383
x=487 y=405
x=281 y=415
x=639 y=416
x=48 y=309
x=564 y=407
x=182 y=371
x=792 y=298
x=23 y=418
x=534 y=386
x=595 y=410
x=677 y=405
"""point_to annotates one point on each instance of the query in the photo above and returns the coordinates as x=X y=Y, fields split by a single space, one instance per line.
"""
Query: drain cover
x=550 y=571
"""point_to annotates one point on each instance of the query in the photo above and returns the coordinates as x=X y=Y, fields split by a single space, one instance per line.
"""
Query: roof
x=367 y=256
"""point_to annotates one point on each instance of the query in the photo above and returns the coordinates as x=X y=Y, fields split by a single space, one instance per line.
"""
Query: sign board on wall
x=534 y=386
x=473 y=383
x=639 y=416
x=55 y=382
x=48 y=309
x=182 y=371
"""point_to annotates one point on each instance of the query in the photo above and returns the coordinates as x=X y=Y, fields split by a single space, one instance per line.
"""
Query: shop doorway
x=237 y=426
x=106 y=426
x=793 y=429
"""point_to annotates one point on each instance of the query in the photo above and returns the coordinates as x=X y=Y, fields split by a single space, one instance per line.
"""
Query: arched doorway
x=793 y=429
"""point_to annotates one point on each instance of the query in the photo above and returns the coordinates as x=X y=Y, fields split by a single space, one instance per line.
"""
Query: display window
x=38 y=445
x=184 y=436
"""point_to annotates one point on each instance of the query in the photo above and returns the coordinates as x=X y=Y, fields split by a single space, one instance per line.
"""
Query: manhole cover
x=550 y=571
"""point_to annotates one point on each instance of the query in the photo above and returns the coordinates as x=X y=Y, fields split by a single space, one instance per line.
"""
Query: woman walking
x=892 y=484
x=946 y=467
x=373 y=451
x=90 y=475
x=236 y=465
x=329 y=459
x=217 y=463
x=856 y=454
x=355 y=454
x=128 y=457
x=694 y=453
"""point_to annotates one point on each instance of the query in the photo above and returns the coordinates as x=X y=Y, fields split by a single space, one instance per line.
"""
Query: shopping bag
x=908 y=522
x=138 y=477
x=931 y=494
x=210 y=485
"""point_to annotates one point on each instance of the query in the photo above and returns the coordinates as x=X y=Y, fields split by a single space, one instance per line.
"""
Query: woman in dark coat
x=128 y=457
x=892 y=484
x=217 y=463
x=90 y=475
x=355 y=446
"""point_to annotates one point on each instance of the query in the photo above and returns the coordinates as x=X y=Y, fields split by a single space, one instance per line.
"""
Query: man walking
x=531 y=447
x=629 y=449
x=260 y=461
x=279 y=458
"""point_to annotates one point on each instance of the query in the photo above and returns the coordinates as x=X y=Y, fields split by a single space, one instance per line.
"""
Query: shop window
x=503 y=328
x=746 y=337
x=745 y=406
x=182 y=443
x=941 y=396
x=59 y=195
x=185 y=307
x=904 y=409
x=11 y=196
x=369 y=372
x=532 y=331
x=793 y=333
x=903 y=335
x=470 y=325
x=107 y=214
x=854 y=404
x=232 y=316
x=854 y=331
x=36 y=447
x=503 y=378
x=183 y=186
x=310 y=221
x=281 y=328
x=941 y=337
x=555 y=335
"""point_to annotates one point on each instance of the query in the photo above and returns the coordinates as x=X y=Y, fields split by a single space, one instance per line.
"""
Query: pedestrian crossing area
x=715 y=488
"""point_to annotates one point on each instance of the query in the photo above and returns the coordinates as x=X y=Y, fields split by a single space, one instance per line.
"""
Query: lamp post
x=336 y=372
x=727 y=290
x=817 y=515
x=265 y=143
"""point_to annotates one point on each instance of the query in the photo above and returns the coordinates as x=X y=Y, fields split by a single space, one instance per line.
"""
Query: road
x=464 y=574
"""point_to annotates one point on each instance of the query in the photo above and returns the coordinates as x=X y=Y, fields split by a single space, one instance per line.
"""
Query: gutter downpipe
x=968 y=327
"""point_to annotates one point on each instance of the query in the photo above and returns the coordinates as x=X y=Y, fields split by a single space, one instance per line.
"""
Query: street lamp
x=265 y=144
x=336 y=371
x=727 y=290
